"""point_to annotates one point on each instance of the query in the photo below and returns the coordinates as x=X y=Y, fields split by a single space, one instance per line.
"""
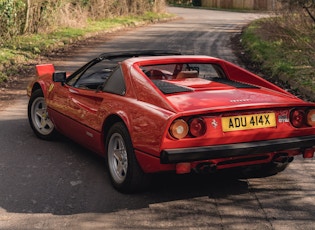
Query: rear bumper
x=233 y=150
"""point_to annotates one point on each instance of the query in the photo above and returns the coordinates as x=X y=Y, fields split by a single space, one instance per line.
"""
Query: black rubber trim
x=235 y=84
x=232 y=150
x=170 y=88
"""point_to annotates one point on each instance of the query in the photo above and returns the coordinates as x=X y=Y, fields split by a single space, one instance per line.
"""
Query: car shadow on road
x=62 y=178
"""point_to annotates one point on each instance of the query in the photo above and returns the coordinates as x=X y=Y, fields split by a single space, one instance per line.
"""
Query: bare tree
x=307 y=5
x=27 y=15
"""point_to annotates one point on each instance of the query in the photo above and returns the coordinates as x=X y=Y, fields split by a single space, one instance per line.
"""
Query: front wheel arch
x=36 y=86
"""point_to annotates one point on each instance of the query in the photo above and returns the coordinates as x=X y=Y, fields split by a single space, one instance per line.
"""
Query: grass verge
x=282 y=53
x=21 y=50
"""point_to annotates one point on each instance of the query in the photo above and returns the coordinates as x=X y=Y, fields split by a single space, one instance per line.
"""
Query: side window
x=93 y=77
x=115 y=83
x=73 y=79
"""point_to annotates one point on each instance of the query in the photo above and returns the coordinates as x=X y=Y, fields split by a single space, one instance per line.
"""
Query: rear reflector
x=309 y=153
x=182 y=168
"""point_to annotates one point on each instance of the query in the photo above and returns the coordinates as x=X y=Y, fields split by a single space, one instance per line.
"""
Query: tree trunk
x=27 y=15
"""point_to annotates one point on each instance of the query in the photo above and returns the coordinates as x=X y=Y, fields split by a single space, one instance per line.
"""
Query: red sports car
x=154 y=111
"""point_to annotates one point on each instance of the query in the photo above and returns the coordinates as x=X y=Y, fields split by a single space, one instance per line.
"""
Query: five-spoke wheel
x=124 y=170
x=38 y=116
x=117 y=158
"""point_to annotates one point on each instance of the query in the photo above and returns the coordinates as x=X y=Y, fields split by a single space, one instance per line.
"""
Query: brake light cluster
x=194 y=127
x=302 y=118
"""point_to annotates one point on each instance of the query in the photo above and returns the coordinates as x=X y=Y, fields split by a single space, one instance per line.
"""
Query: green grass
x=21 y=49
x=6 y=54
x=281 y=52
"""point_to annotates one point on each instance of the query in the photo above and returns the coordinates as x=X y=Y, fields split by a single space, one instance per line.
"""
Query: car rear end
x=226 y=117
x=239 y=138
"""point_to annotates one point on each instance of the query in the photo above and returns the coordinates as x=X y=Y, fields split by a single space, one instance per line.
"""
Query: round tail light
x=311 y=117
x=197 y=127
x=297 y=118
x=179 y=129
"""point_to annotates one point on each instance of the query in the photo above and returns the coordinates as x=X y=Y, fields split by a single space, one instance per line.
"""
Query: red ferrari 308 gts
x=155 y=111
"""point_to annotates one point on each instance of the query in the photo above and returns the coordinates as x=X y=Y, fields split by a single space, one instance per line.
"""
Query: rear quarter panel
x=145 y=111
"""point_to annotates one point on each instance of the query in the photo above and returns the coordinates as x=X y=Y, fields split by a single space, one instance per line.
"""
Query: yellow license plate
x=245 y=122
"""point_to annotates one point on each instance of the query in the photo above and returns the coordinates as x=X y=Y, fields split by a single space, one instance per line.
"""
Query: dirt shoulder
x=14 y=88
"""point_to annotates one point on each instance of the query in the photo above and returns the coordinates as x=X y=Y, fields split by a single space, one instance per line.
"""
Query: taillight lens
x=297 y=118
x=311 y=117
x=197 y=127
x=179 y=129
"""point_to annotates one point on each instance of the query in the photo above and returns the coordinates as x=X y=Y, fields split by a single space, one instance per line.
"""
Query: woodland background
x=18 y=17
x=282 y=45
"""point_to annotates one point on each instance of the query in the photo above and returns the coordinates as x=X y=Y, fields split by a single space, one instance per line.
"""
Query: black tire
x=38 y=116
x=124 y=171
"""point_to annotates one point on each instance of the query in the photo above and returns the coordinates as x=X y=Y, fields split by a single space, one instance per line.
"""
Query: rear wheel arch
x=124 y=170
x=112 y=119
x=109 y=122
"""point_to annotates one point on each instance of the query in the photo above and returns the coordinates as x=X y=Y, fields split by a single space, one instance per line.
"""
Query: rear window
x=183 y=70
x=186 y=77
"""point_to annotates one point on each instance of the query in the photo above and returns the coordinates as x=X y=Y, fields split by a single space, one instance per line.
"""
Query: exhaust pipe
x=206 y=167
x=282 y=158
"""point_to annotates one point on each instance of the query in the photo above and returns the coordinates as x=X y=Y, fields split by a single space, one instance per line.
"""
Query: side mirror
x=59 y=77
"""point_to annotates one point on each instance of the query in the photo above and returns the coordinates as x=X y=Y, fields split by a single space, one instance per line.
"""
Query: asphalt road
x=59 y=185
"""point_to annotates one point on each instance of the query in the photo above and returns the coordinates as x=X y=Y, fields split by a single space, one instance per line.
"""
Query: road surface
x=60 y=185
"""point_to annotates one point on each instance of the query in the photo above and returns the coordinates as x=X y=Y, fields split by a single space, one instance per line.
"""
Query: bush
x=12 y=18
x=25 y=16
x=196 y=2
x=283 y=46
x=180 y=2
